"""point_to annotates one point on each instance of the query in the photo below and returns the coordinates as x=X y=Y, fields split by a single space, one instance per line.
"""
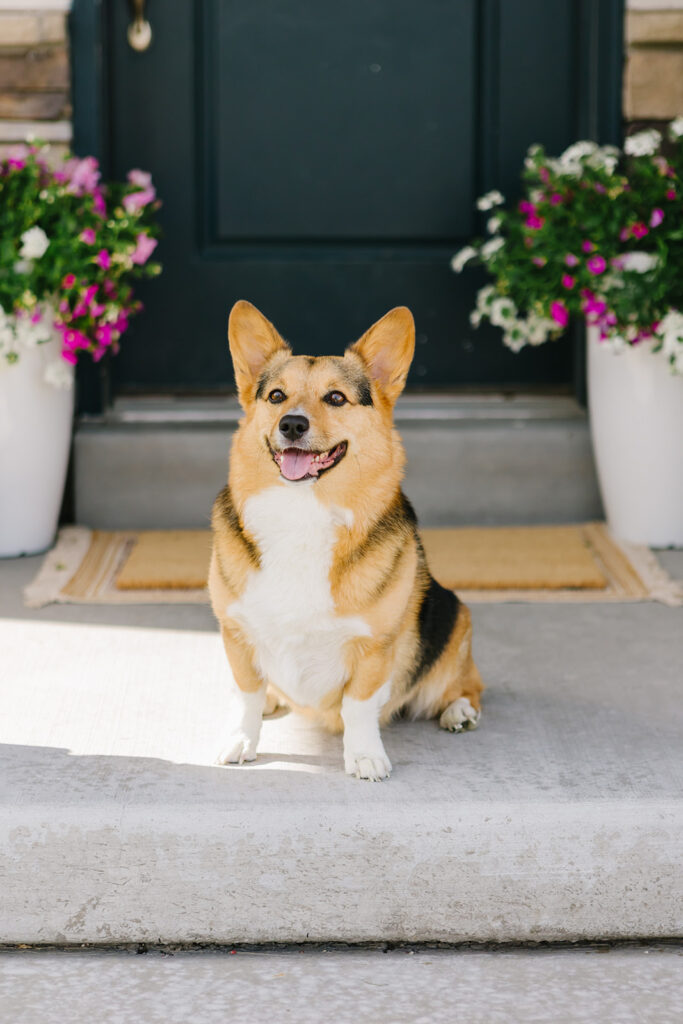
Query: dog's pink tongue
x=296 y=464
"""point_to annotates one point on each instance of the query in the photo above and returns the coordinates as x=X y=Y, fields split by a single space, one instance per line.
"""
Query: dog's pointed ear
x=387 y=350
x=253 y=341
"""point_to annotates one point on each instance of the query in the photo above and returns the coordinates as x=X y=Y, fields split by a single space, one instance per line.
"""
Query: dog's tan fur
x=378 y=570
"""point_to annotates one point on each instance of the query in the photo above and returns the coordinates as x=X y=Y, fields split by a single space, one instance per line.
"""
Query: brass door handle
x=139 y=30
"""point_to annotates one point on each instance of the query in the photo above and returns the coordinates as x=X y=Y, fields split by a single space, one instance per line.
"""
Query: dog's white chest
x=286 y=607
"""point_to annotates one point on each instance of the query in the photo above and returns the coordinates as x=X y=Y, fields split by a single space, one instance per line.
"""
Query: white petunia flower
x=515 y=338
x=639 y=262
x=676 y=128
x=604 y=158
x=493 y=224
x=34 y=244
x=463 y=257
x=643 y=143
x=59 y=374
x=485 y=297
x=23 y=266
x=576 y=151
x=503 y=312
x=491 y=247
x=475 y=317
x=491 y=199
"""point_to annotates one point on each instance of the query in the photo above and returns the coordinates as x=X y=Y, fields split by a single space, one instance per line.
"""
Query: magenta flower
x=555 y=198
x=587 y=245
x=596 y=265
x=87 y=235
x=570 y=259
x=526 y=207
x=656 y=217
x=109 y=289
x=599 y=188
x=544 y=175
x=559 y=313
x=104 y=334
x=98 y=203
x=90 y=293
x=539 y=261
x=534 y=222
x=568 y=281
x=36 y=317
x=68 y=281
x=144 y=247
x=671 y=193
x=623 y=234
x=639 y=230
x=69 y=356
x=75 y=339
x=103 y=259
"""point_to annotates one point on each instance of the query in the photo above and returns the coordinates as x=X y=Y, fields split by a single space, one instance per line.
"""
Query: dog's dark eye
x=276 y=396
x=335 y=398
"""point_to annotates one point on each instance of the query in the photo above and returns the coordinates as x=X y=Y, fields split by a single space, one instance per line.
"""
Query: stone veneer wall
x=653 y=74
x=34 y=72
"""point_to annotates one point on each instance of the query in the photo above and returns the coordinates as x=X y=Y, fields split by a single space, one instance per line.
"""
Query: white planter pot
x=35 y=436
x=636 y=415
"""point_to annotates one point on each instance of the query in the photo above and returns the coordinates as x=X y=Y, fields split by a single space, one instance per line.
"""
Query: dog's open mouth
x=299 y=464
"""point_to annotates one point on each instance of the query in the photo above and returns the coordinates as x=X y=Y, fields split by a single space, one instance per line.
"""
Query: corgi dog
x=318 y=577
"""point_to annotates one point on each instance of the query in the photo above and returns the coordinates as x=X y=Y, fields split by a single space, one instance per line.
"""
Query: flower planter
x=636 y=415
x=35 y=435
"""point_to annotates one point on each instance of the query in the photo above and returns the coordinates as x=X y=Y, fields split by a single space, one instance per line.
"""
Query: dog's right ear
x=253 y=341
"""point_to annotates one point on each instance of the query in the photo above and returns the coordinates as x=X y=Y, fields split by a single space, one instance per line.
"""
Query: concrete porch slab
x=561 y=818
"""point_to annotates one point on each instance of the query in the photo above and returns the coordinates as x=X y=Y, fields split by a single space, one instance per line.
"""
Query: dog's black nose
x=293 y=427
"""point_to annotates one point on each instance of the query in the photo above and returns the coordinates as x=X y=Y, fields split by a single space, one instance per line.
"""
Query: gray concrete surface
x=470 y=460
x=561 y=818
x=581 y=986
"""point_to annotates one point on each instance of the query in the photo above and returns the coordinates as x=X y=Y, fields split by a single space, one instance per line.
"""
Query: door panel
x=322 y=160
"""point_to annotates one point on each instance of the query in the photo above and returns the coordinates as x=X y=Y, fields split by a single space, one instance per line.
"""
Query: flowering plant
x=599 y=234
x=69 y=247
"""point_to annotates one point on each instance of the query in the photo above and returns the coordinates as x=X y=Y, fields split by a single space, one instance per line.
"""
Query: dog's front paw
x=460 y=715
x=237 y=750
x=367 y=767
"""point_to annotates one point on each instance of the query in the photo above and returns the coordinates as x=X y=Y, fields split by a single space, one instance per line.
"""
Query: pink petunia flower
x=526 y=207
x=639 y=230
x=596 y=265
x=135 y=201
x=84 y=176
x=656 y=217
x=534 y=222
x=87 y=235
x=587 y=245
x=671 y=193
x=143 y=179
x=68 y=281
x=556 y=198
x=144 y=247
x=69 y=356
x=624 y=234
x=103 y=259
x=539 y=261
x=600 y=189
x=544 y=175
x=104 y=334
x=568 y=281
x=559 y=313
x=571 y=260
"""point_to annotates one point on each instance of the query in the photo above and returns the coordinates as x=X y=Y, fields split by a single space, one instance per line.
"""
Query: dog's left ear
x=253 y=341
x=387 y=350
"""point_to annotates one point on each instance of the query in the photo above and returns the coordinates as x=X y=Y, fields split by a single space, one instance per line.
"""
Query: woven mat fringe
x=637 y=576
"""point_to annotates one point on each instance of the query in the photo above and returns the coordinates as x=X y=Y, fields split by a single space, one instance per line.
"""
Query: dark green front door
x=322 y=160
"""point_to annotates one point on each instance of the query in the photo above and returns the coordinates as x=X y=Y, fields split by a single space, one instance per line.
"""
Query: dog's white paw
x=367 y=767
x=237 y=750
x=460 y=715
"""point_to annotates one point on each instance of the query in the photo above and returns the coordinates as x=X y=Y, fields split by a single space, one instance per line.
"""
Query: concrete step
x=155 y=463
x=642 y=985
x=559 y=819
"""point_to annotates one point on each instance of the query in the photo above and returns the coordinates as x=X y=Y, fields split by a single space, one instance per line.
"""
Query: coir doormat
x=574 y=563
